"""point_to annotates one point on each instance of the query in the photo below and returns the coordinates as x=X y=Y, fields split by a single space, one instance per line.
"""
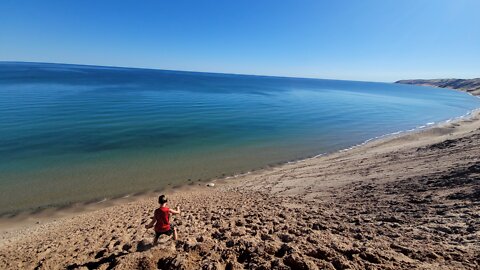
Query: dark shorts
x=169 y=232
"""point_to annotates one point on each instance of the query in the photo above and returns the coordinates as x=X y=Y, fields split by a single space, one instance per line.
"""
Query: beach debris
x=210 y=184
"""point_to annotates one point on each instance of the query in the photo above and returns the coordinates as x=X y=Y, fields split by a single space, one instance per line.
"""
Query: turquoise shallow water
x=73 y=133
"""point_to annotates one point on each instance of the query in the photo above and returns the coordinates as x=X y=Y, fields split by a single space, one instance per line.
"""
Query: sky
x=382 y=40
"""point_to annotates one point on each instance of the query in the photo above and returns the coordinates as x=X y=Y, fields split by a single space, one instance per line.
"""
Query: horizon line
x=191 y=71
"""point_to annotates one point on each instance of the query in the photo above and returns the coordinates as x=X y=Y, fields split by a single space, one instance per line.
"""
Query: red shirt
x=161 y=216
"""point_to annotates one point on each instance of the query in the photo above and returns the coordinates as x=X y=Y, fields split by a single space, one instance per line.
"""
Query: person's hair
x=162 y=199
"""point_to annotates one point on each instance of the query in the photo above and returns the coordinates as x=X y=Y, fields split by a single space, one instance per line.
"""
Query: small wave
x=101 y=201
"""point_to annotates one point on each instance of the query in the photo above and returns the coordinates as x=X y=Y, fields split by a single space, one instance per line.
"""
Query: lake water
x=72 y=133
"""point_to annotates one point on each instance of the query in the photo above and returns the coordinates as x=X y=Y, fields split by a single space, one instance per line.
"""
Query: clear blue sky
x=381 y=40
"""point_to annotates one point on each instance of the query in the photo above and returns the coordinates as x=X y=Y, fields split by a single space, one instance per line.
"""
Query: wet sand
x=411 y=201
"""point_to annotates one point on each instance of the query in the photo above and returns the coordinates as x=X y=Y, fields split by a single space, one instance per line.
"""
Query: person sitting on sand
x=161 y=220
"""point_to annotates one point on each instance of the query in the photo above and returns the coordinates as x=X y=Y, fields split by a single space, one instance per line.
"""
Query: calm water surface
x=74 y=133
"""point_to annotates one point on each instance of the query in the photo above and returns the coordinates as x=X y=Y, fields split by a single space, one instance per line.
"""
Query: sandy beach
x=403 y=202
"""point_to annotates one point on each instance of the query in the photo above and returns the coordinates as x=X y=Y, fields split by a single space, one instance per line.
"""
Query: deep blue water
x=72 y=133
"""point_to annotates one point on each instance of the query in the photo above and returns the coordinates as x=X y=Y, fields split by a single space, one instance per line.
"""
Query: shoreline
x=402 y=201
x=12 y=221
x=392 y=203
x=74 y=165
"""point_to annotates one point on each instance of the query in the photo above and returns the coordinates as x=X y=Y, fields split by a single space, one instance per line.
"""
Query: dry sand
x=412 y=201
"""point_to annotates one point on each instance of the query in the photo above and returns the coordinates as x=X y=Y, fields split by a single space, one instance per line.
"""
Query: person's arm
x=175 y=211
x=152 y=222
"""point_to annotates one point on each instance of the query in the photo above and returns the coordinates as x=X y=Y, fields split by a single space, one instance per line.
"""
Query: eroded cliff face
x=468 y=85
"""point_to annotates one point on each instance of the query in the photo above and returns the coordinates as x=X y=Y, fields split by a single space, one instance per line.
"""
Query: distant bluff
x=468 y=85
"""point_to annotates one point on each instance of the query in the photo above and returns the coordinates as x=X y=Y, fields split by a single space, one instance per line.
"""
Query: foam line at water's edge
x=385 y=136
